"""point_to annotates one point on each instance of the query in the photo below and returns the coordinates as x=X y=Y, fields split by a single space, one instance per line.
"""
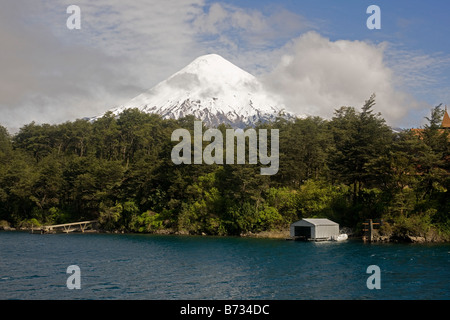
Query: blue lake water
x=124 y=266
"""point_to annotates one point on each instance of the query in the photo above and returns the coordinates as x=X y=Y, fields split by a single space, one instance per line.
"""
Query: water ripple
x=175 y=267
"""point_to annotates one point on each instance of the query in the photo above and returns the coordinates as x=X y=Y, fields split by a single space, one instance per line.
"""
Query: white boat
x=340 y=237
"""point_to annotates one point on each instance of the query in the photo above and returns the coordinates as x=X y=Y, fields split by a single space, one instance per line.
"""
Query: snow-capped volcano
x=213 y=90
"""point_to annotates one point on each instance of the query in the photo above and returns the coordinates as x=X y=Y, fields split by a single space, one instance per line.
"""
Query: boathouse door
x=301 y=231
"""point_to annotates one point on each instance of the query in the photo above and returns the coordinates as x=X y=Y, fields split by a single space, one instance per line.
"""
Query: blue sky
x=420 y=24
x=420 y=28
x=318 y=55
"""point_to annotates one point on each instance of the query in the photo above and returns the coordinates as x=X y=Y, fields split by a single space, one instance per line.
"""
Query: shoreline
x=274 y=234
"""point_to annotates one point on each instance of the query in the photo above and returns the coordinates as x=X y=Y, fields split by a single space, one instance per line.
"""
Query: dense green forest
x=119 y=170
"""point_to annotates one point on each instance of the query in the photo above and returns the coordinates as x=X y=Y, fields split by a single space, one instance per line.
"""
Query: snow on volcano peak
x=213 y=90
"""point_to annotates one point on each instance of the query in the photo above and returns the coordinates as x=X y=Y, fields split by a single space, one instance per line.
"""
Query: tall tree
x=362 y=140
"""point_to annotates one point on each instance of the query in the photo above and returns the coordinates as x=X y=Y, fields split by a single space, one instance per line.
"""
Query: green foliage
x=285 y=201
x=119 y=170
x=307 y=157
x=57 y=216
x=29 y=223
x=268 y=218
x=418 y=224
x=110 y=216
x=146 y=222
x=316 y=198
x=362 y=146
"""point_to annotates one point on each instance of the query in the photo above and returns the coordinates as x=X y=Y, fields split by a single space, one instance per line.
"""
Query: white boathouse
x=314 y=229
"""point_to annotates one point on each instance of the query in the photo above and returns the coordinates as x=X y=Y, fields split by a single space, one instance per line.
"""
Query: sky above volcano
x=318 y=55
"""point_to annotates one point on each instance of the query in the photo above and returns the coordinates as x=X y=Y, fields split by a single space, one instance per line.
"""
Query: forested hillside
x=119 y=171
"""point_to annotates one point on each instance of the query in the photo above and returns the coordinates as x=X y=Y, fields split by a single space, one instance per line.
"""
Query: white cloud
x=317 y=76
x=248 y=37
x=249 y=25
x=418 y=71
x=52 y=74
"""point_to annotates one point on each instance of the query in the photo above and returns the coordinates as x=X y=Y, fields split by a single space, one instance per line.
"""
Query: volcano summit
x=214 y=91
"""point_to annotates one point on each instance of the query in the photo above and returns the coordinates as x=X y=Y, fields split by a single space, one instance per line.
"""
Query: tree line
x=118 y=170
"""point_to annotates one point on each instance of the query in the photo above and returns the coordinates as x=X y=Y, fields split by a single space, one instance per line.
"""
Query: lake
x=130 y=266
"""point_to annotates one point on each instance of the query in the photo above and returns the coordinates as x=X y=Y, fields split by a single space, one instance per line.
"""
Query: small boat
x=340 y=237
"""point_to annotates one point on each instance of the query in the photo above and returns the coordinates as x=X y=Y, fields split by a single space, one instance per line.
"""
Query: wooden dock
x=368 y=228
x=65 y=227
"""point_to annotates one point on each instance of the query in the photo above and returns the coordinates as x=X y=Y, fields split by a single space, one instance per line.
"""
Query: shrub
x=29 y=223
x=418 y=224
x=149 y=221
x=109 y=216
